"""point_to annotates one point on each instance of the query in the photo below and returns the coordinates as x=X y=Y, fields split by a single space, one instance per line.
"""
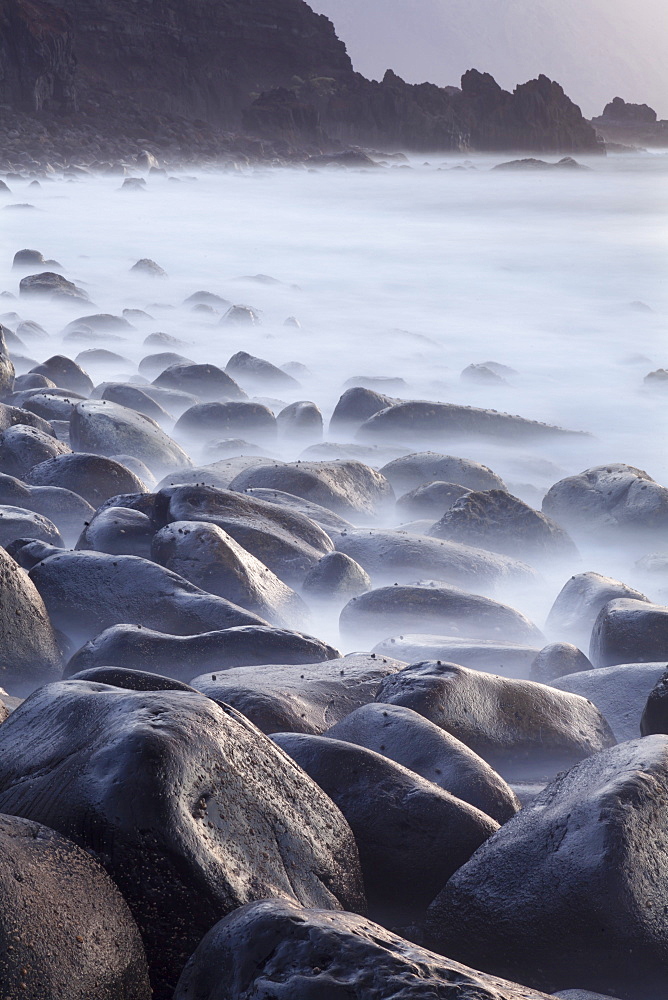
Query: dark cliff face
x=37 y=64
x=273 y=66
x=201 y=58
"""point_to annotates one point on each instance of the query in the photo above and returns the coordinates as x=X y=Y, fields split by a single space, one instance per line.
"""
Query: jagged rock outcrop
x=620 y=111
x=37 y=63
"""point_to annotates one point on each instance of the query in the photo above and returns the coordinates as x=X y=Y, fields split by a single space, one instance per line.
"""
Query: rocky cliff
x=272 y=67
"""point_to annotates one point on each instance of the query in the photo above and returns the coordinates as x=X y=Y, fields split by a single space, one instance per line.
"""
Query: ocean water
x=410 y=273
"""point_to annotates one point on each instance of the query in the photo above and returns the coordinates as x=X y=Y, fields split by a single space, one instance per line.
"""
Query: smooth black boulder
x=609 y=501
x=417 y=744
x=207 y=382
x=571 y=891
x=556 y=660
x=422 y=422
x=304 y=698
x=578 y=603
x=12 y=415
x=50 y=404
x=15 y=522
x=48 y=284
x=135 y=398
x=106 y=428
x=190 y=809
x=65 y=929
x=654 y=718
x=29 y=652
x=289 y=543
x=495 y=656
x=412 y=471
x=628 y=631
x=355 y=406
x=349 y=488
x=430 y=501
x=333 y=524
x=229 y=419
x=119 y=531
x=620 y=693
x=66 y=374
x=131 y=680
x=496 y=520
x=411 y=834
x=23 y=447
x=256 y=372
x=308 y=954
x=301 y=421
x=93 y=477
x=88 y=592
x=524 y=730
x=433 y=609
x=183 y=656
x=67 y=510
x=154 y=364
x=336 y=578
x=207 y=556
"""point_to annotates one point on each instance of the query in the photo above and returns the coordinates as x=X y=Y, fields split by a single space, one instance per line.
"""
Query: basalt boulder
x=496 y=520
x=93 y=477
x=66 y=374
x=409 y=739
x=118 y=531
x=495 y=656
x=336 y=578
x=304 y=698
x=29 y=653
x=230 y=419
x=23 y=447
x=620 y=693
x=572 y=889
x=88 y=592
x=12 y=415
x=524 y=730
x=190 y=809
x=419 y=422
x=333 y=524
x=351 y=489
x=289 y=543
x=411 y=835
x=401 y=557
x=207 y=556
x=106 y=428
x=50 y=404
x=67 y=510
x=65 y=929
x=330 y=955
x=609 y=500
x=16 y=522
x=412 y=471
x=256 y=372
x=556 y=660
x=430 y=501
x=207 y=382
x=135 y=398
x=435 y=610
x=300 y=422
x=578 y=603
x=183 y=656
x=355 y=406
x=628 y=631
x=655 y=714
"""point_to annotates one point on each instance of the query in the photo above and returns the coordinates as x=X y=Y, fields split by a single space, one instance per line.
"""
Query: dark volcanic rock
x=153 y=364
x=436 y=610
x=190 y=809
x=135 y=398
x=66 y=374
x=619 y=111
x=183 y=656
x=572 y=889
x=87 y=592
x=12 y=415
x=628 y=631
x=524 y=730
x=207 y=382
x=207 y=556
x=109 y=429
x=48 y=284
x=306 y=698
x=51 y=404
x=417 y=744
x=411 y=835
x=38 y=67
x=399 y=557
x=118 y=531
x=655 y=714
x=285 y=541
x=557 y=660
x=510 y=659
x=131 y=680
x=66 y=509
x=608 y=500
x=93 y=477
x=620 y=693
x=336 y=578
x=578 y=603
x=300 y=421
x=496 y=520
x=15 y=522
x=420 y=422
x=220 y=420
x=29 y=653
x=332 y=523
x=331 y=955
x=355 y=406
x=351 y=489
x=430 y=501
x=258 y=372
x=22 y=447
x=66 y=930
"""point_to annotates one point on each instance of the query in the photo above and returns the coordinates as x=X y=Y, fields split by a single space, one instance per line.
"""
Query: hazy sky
x=597 y=49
